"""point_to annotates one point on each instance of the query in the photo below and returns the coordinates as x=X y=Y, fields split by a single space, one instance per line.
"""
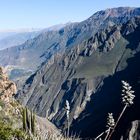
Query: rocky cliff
x=10 y=110
x=7 y=87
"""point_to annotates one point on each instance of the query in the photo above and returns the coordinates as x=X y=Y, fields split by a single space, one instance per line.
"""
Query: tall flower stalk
x=127 y=97
x=127 y=100
x=68 y=116
x=110 y=124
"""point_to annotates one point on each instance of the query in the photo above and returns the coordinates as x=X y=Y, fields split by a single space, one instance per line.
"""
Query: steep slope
x=83 y=75
x=47 y=44
x=107 y=95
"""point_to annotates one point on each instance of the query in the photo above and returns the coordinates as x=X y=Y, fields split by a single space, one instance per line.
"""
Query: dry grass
x=53 y=136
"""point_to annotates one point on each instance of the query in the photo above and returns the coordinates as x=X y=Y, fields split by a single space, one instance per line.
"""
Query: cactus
x=32 y=122
x=24 y=120
x=27 y=119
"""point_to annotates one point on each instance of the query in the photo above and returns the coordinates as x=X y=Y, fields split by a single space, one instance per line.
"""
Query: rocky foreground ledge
x=7 y=87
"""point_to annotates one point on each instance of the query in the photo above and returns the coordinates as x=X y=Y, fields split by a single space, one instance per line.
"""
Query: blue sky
x=16 y=14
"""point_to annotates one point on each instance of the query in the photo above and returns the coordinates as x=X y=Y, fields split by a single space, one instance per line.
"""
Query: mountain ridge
x=49 y=43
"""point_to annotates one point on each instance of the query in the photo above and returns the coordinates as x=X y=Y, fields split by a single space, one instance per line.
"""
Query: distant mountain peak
x=118 y=11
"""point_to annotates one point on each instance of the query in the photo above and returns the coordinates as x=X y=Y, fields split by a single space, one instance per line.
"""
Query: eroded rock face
x=104 y=41
x=7 y=87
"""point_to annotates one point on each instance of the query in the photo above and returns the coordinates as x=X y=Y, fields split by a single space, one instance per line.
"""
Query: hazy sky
x=44 y=13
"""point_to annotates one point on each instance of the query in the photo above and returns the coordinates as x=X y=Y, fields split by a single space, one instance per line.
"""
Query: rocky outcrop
x=10 y=110
x=104 y=41
x=133 y=132
x=7 y=87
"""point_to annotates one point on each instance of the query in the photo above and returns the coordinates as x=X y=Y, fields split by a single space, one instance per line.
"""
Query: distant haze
x=20 y=30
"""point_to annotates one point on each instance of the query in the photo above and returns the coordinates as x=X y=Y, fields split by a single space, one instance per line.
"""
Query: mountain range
x=83 y=63
x=10 y=38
